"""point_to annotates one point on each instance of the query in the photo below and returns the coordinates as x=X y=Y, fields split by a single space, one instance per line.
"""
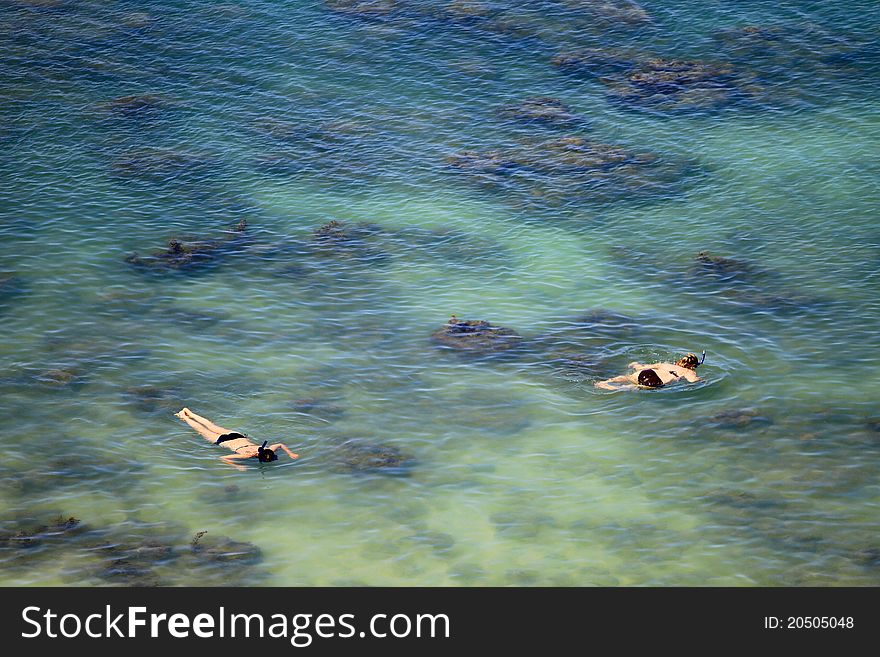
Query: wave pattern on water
x=264 y=210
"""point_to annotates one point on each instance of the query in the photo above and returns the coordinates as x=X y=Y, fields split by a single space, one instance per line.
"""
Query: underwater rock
x=357 y=456
x=721 y=267
x=279 y=129
x=596 y=62
x=142 y=105
x=129 y=553
x=475 y=336
x=739 y=499
x=224 y=550
x=126 y=302
x=577 y=154
x=542 y=110
x=511 y=26
x=59 y=377
x=192 y=255
x=338 y=150
x=373 y=245
x=676 y=85
x=794 y=52
x=152 y=399
x=439 y=542
x=42 y=4
x=177 y=256
x=726 y=280
x=738 y=418
x=132 y=564
x=339 y=240
x=158 y=164
x=605 y=321
x=129 y=556
x=341 y=131
x=127 y=573
x=492 y=162
x=455 y=247
x=279 y=163
x=363 y=8
x=466 y=10
x=752 y=39
x=569 y=169
x=624 y=12
x=31 y=533
x=136 y=20
x=577 y=366
x=87 y=464
x=322 y=137
x=228 y=494
x=318 y=407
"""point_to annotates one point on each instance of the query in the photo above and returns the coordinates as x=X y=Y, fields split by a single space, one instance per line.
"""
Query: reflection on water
x=268 y=212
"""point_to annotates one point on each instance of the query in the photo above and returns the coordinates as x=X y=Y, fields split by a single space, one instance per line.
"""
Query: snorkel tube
x=266 y=455
x=703 y=359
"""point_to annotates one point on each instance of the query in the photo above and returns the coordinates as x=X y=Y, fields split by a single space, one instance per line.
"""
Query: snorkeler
x=239 y=443
x=656 y=375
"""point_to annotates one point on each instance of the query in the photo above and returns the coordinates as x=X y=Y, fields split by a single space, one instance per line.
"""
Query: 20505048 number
x=820 y=622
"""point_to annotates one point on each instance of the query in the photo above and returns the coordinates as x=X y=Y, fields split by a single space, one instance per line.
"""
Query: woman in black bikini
x=656 y=375
x=241 y=446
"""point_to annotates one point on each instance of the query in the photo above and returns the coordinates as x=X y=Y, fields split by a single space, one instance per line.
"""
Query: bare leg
x=204 y=421
x=202 y=429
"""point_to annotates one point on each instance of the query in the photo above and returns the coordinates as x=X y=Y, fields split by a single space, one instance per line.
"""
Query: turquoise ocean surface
x=612 y=181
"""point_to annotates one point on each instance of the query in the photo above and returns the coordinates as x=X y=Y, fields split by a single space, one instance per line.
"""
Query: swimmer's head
x=265 y=454
x=650 y=379
x=689 y=361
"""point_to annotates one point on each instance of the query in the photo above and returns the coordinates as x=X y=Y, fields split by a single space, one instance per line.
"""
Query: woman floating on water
x=240 y=444
x=655 y=375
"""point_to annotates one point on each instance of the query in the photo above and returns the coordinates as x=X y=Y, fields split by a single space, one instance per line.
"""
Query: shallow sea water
x=519 y=472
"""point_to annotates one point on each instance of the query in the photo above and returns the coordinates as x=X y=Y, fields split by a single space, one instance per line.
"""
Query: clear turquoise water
x=291 y=114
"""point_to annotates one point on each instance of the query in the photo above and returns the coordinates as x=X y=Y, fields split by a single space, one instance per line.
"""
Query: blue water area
x=268 y=212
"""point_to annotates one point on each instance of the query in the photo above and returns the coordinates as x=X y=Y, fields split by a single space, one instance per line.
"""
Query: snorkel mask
x=266 y=455
x=691 y=361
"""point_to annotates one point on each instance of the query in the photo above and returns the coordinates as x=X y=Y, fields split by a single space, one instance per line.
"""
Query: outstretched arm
x=278 y=446
x=230 y=457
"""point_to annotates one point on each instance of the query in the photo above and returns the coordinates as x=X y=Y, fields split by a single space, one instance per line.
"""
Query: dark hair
x=689 y=361
x=650 y=379
x=265 y=454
